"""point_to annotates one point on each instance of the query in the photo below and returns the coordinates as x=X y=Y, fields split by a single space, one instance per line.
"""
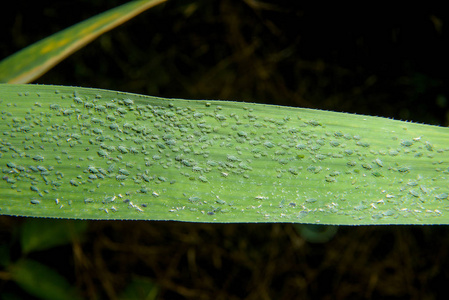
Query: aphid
x=35 y=201
x=330 y=179
x=92 y=169
x=404 y=169
x=414 y=193
x=334 y=143
x=109 y=199
x=121 y=177
x=121 y=110
x=407 y=143
x=54 y=106
x=42 y=169
x=122 y=149
x=68 y=112
x=128 y=102
x=367 y=166
x=194 y=199
x=220 y=117
x=111 y=105
x=97 y=131
x=393 y=152
x=442 y=196
x=268 y=144
x=338 y=134
x=379 y=162
x=102 y=153
x=232 y=158
x=114 y=126
x=123 y=171
x=110 y=118
x=314 y=123
x=11 y=165
x=197 y=169
x=38 y=158
x=100 y=108
x=242 y=134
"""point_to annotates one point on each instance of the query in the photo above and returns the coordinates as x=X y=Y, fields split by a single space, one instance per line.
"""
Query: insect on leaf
x=84 y=153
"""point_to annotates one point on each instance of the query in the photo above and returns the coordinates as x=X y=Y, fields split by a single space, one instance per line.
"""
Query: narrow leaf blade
x=33 y=61
x=41 y=234
x=41 y=281
x=95 y=154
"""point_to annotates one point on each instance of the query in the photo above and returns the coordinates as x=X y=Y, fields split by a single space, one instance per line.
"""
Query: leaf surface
x=82 y=153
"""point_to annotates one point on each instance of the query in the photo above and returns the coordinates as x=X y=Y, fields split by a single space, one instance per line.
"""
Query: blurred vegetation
x=379 y=60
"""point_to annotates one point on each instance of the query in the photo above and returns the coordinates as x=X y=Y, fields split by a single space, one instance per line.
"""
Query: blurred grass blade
x=33 y=61
x=83 y=153
x=41 y=234
x=140 y=288
x=41 y=281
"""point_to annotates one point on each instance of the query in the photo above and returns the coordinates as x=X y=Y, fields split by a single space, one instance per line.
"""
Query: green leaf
x=4 y=255
x=140 y=288
x=41 y=281
x=41 y=234
x=94 y=154
x=33 y=61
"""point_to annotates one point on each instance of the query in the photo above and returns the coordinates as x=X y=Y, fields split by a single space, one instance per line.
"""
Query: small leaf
x=40 y=234
x=140 y=288
x=33 y=61
x=316 y=233
x=41 y=281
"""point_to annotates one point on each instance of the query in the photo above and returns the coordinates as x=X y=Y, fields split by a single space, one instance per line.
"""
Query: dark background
x=368 y=59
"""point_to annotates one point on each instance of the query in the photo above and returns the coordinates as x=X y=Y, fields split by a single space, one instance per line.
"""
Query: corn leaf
x=41 y=281
x=41 y=234
x=82 y=153
x=33 y=61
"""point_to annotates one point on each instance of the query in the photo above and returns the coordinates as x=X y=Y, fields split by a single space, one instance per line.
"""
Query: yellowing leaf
x=33 y=61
